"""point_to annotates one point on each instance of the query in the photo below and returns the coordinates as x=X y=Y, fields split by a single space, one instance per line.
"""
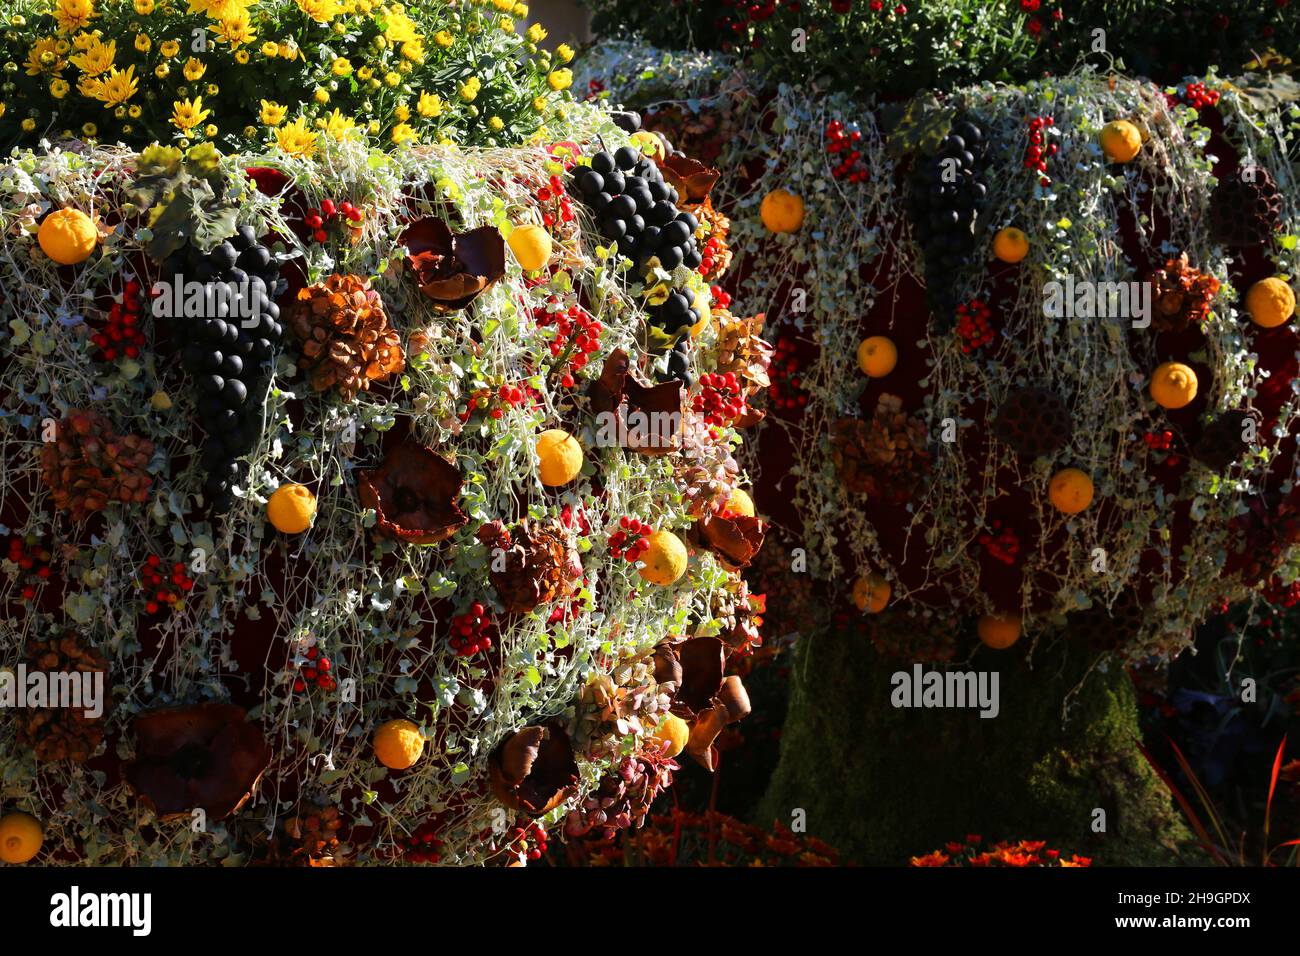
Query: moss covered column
x=883 y=784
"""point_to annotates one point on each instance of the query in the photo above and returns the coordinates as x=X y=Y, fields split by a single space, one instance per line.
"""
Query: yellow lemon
x=68 y=236
x=1270 y=303
x=21 y=837
x=871 y=593
x=531 y=245
x=291 y=509
x=999 y=630
x=648 y=143
x=1010 y=244
x=1173 y=385
x=782 y=211
x=1120 y=140
x=560 y=457
x=740 y=503
x=1070 y=491
x=674 y=732
x=877 y=356
x=398 y=744
x=664 y=558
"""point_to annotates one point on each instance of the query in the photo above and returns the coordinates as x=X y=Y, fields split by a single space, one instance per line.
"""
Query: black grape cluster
x=945 y=194
x=228 y=355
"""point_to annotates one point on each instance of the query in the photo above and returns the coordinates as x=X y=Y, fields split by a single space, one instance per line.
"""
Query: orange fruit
x=674 y=732
x=1010 y=244
x=291 y=509
x=68 y=236
x=21 y=837
x=877 y=356
x=1270 y=303
x=1120 y=140
x=648 y=143
x=559 y=456
x=531 y=245
x=999 y=630
x=398 y=744
x=1070 y=491
x=782 y=211
x=1173 y=385
x=664 y=559
x=871 y=593
x=740 y=503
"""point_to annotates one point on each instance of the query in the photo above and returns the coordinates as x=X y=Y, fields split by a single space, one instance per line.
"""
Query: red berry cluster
x=1282 y=595
x=1038 y=150
x=709 y=255
x=423 y=845
x=594 y=89
x=315 y=670
x=784 y=393
x=629 y=543
x=32 y=558
x=554 y=191
x=122 y=336
x=319 y=221
x=496 y=403
x=1003 y=546
x=472 y=631
x=529 y=840
x=721 y=298
x=1161 y=441
x=1198 y=96
x=577 y=335
x=973 y=325
x=163 y=591
x=842 y=142
x=720 y=399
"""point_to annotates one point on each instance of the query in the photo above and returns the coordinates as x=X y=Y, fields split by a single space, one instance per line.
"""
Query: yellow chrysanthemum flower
x=44 y=58
x=162 y=71
x=234 y=30
x=89 y=87
x=134 y=111
x=403 y=134
x=560 y=79
x=270 y=50
x=118 y=87
x=505 y=24
x=338 y=126
x=402 y=112
x=564 y=52
x=536 y=33
x=469 y=89
x=400 y=28
x=321 y=96
x=392 y=80
x=169 y=48
x=412 y=52
x=341 y=66
x=89 y=129
x=322 y=11
x=144 y=7
x=73 y=15
x=539 y=104
x=187 y=114
x=289 y=50
x=520 y=10
x=142 y=42
x=29 y=124
x=430 y=105
x=59 y=88
x=194 y=69
x=273 y=114
x=364 y=74
x=444 y=39
x=496 y=124
x=296 y=139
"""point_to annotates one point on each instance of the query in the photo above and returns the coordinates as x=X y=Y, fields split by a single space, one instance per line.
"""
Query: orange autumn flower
x=936 y=858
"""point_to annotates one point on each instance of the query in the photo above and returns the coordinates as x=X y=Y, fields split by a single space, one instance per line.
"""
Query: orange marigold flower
x=937 y=858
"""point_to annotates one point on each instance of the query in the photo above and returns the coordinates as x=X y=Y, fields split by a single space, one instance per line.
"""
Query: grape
x=627 y=157
x=602 y=163
x=628 y=121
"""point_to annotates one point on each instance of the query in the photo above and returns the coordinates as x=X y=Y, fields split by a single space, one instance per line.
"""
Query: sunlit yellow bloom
x=339 y=126
x=162 y=70
x=496 y=123
x=521 y=10
x=365 y=73
x=210 y=130
x=536 y=33
x=213 y=89
x=392 y=80
x=169 y=48
x=503 y=5
x=59 y=88
x=118 y=87
x=142 y=42
x=194 y=69
x=322 y=11
x=404 y=66
x=234 y=30
x=506 y=25
x=430 y=105
x=539 y=104
x=144 y=7
x=29 y=124
x=269 y=50
x=289 y=50
x=273 y=114
x=89 y=129
x=469 y=89
x=187 y=114
x=403 y=133
x=89 y=87
x=134 y=111
x=341 y=66
x=321 y=96
x=560 y=79
x=296 y=139
x=73 y=15
x=413 y=51
x=241 y=57
x=444 y=39
x=564 y=52
x=402 y=112
x=400 y=28
x=220 y=9
x=365 y=6
x=119 y=112
x=44 y=58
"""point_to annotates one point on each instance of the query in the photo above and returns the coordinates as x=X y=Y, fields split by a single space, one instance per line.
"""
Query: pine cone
x=539 y=564
x=1245 y=209
x=346 y=339
x=63 y=733
x=885 y=457
x=1223 y=440
x=312 y=839
x=89 y=465
x=1180 y=295
x=1034 y=422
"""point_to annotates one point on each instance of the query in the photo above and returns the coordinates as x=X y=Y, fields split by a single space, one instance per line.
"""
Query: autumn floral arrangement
x=246 y=73
x=393 y=494
x=975 y=851
x=971 y=450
